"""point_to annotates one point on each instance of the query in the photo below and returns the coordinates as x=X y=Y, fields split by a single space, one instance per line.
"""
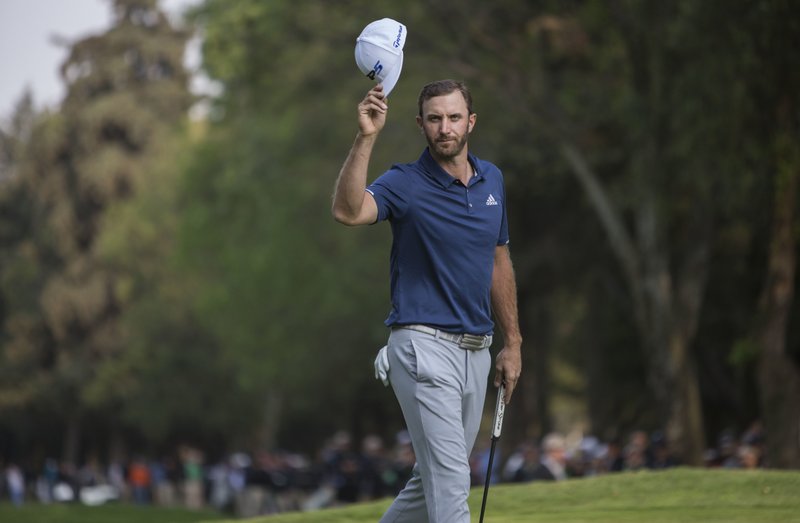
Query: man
x=553 y=466
x=450 y=268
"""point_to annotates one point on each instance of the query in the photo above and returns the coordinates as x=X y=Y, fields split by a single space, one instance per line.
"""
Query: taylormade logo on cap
x=379 y=52
x=397 y=42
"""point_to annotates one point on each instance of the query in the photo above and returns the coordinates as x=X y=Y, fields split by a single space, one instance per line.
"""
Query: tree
x=637 y=99
x=648 y=151
x=292 y=297
x=125 y=89
x=775 y=85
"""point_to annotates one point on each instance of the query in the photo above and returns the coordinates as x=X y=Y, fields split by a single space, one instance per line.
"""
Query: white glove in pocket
x=382 y=366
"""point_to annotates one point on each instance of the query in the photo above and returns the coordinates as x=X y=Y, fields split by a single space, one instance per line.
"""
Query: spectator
x=66 y=486
x=552 y=466
x=163 y=478
x=47 y=481
x=90 y=474
x=403 y=462
x=660 y=456
x=116 y=477
x=375 y=482
x=220 y=495
x=192 y=464
x=615 y=456
x=139 y=478
x=754 y=437
x=344 y=468
x=749 y=457
x=237 y=476
x=727 y=447
x=521 y=464
x=15 y=483
x=589 y=459
x=636 y=451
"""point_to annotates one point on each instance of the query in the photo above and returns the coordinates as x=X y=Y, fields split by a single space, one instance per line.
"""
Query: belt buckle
x=472 y=342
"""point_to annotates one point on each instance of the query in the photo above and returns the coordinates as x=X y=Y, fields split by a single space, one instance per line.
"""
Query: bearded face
x=446 y=123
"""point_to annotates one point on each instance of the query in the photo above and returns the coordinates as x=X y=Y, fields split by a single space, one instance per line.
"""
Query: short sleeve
x=391 y=193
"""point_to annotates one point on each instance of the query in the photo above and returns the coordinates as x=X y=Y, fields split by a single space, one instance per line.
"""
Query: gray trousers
x=441 y=390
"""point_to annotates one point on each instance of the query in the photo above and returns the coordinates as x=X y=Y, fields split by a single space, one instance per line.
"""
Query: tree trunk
x=72 y=438
x=685 y=426
x=668 y=331
x=528 y=414
x=273 y=410
x=685 y=423
x=665 y=318
x=778 y=375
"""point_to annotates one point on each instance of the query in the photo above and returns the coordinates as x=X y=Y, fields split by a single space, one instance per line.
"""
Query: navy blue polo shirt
x=444 y=240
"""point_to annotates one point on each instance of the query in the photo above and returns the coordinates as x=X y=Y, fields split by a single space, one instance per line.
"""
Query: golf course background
x=671 y=496
x=175 y=296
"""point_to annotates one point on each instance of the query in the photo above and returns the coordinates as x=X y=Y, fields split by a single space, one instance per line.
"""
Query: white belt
x=464 y=341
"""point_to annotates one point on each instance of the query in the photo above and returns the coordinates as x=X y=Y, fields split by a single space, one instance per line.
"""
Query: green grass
x=677 y=495
x=112 y=513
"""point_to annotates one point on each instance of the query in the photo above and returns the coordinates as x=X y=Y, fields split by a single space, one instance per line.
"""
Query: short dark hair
x=443 y=87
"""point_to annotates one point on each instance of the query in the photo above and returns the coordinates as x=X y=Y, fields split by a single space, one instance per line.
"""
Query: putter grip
x=499 y=410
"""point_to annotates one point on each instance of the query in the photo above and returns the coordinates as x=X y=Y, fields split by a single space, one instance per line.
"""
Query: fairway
x=33 y=512
x=677 y=495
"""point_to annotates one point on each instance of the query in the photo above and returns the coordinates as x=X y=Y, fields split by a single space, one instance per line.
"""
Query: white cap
x=379 y=52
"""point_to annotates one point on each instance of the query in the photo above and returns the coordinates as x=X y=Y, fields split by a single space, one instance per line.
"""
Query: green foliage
x=126 y=90
x=280 y=292
x=292 y=297
x=171 y=381
x=186 y=285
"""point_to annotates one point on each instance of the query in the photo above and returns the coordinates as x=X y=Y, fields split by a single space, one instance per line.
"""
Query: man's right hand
x=372 y=112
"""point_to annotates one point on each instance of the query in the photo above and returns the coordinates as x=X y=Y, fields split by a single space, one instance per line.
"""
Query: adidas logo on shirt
x=491 y=201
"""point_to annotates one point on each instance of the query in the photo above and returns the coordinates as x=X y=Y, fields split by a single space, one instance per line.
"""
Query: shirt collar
x=435 y=171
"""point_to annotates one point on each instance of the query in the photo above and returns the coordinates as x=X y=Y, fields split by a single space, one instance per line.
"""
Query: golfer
x=450 y=268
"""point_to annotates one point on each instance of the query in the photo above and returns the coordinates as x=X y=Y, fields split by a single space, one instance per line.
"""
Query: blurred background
x=173 y=287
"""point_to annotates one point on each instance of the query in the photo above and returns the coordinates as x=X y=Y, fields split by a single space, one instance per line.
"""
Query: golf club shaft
x=497 y=428
x=488 y=479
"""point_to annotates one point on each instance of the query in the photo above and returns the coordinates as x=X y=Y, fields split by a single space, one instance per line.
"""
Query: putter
x=497 y=428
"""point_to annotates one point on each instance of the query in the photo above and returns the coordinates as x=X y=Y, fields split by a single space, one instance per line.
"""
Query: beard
x=447 y=150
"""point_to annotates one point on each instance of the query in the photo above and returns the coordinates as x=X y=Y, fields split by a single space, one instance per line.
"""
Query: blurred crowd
x=241 y=484
x=251 y=484
x=558 y=457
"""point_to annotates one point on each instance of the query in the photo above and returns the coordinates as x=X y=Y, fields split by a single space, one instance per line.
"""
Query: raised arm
x=508 y=363
x=352 y=204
